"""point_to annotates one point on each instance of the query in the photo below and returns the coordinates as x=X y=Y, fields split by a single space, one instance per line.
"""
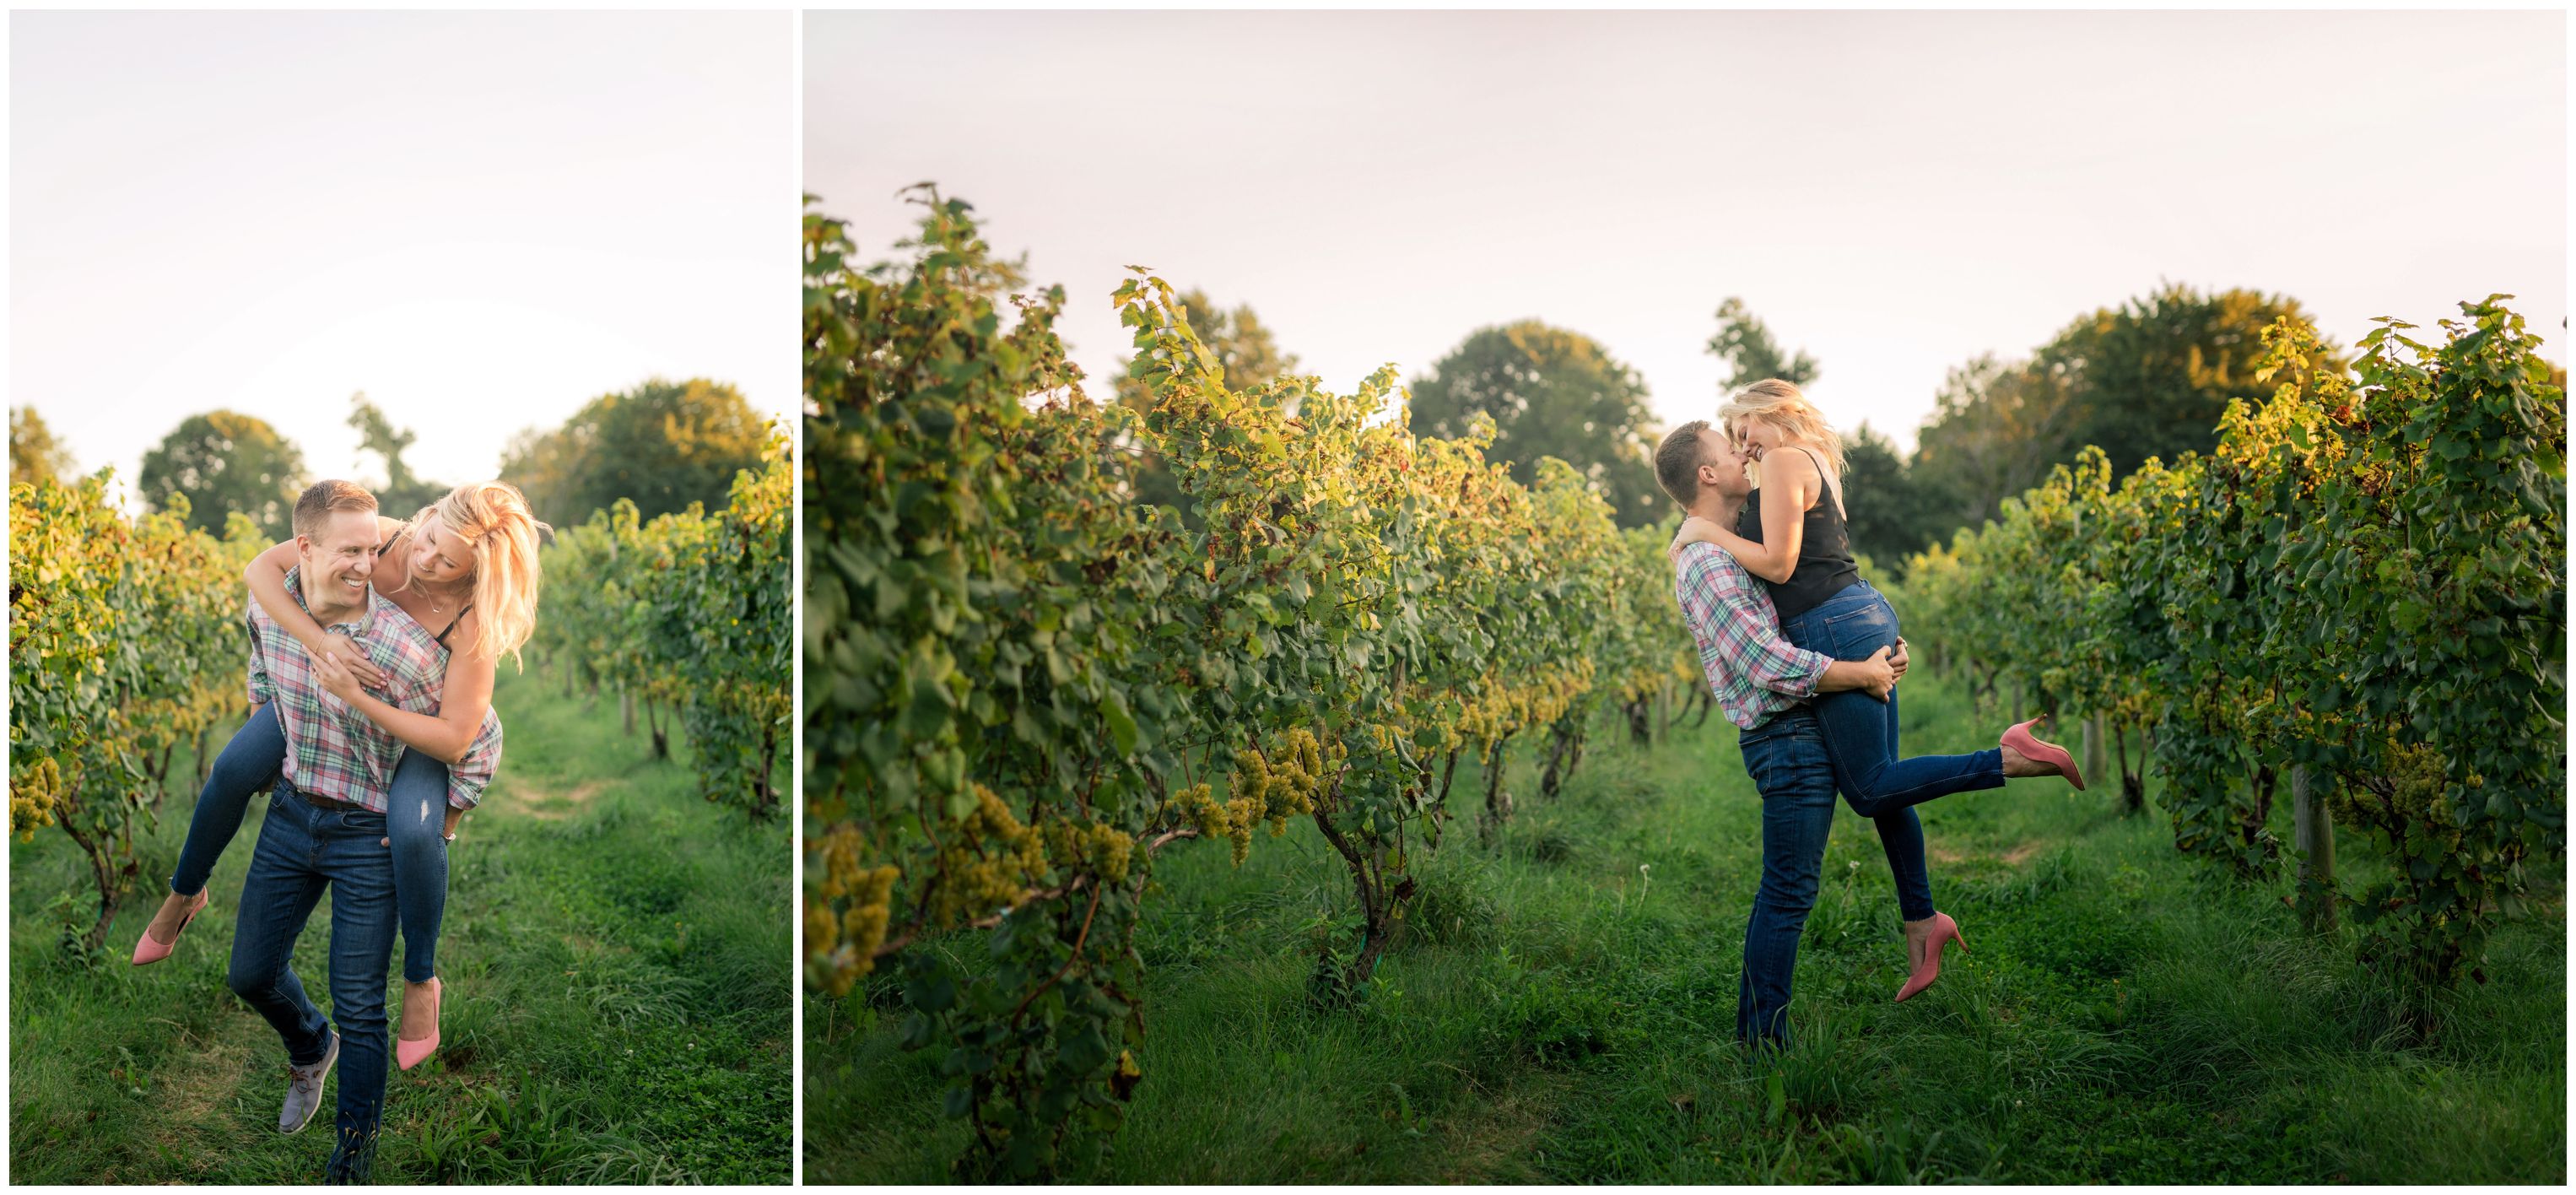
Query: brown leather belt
x=328 y=803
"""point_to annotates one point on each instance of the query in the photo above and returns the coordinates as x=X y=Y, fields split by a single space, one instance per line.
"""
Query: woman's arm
x=445 y=735
x=1794 y=485
x=1791 y=478
x=266 y=575
x=1757 y=559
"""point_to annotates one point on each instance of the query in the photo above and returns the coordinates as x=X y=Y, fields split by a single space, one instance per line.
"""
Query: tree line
x=660 y=444
x=2146 y=378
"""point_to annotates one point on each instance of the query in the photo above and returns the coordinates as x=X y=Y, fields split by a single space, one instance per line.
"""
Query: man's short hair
x=322 y=498
x=1677 y=461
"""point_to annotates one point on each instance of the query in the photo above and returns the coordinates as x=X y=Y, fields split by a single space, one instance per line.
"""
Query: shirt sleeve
x=260 y=690
x=1747 y=633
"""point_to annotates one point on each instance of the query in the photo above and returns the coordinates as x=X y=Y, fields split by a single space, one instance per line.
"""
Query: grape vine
x=2362 y=588
x=125 y=639
x=1022 y=685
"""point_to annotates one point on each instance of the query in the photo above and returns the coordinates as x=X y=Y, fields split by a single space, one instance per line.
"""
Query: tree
x=225 y=461
x=2146 y=379
x=34 y=452
x=1996 y=428
x=1745 y=345
x=402 y=493
x=1880 y=498
x=1550 y=392
x=2152 y=377
x=1247 y=355
x=663 y=444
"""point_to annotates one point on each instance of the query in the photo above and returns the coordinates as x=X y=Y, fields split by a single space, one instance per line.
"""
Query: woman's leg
x=1900 y=834
x=249 y=763
x=416 y=821
x=1861 y=730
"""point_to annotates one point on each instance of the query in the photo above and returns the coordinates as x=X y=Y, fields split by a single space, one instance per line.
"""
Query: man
x=1762 y=683
x=325 y=827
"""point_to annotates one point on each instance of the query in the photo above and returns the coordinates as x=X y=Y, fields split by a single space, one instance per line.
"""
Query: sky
x=482 y=221
x=1896 y=193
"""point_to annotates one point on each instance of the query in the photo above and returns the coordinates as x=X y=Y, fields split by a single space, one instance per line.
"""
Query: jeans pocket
x=1855 y=634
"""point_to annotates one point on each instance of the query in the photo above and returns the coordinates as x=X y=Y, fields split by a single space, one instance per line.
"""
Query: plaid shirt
x=1753 y=672
x=334 y=751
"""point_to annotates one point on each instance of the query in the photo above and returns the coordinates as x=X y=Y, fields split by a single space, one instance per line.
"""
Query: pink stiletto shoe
x=148 y=951
x=2019 y=739
x=412 y=1053
x=1944 y=932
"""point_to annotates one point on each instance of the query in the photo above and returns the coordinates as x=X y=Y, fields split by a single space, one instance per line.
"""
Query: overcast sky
x=1895 y=192
x=481 y=220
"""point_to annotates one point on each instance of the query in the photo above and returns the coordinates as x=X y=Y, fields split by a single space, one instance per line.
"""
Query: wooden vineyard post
x=2314 y=836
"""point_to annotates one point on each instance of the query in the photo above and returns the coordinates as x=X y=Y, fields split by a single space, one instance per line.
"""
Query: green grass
x=1564 y=1012
x=616 y=958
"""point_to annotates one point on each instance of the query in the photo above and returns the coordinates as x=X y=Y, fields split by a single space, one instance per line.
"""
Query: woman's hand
x=352 y=661
x=1694 y=530
x=332 y=669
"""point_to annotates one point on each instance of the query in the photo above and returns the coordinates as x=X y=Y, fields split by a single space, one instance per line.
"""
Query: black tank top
x=1825 y=564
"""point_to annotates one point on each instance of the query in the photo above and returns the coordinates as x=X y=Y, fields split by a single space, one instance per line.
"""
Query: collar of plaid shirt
x=333 y=751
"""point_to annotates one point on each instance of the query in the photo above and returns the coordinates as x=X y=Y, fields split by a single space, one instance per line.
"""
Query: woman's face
x=1757 y=436
x=439 y=556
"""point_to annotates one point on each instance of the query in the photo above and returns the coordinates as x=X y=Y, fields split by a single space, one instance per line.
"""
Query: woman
x=1798 y=545
x=465 y=568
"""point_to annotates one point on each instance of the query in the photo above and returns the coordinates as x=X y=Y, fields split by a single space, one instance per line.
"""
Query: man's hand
x=454 y=815
x=1881 y=677
x=1898 y=660
x=1874 y=676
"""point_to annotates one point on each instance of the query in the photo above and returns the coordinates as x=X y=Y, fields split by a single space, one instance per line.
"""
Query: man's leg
x=277 y=897
x=1790 y=766
x=363 y=920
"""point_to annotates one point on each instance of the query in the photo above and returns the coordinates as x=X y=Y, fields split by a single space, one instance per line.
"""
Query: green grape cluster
x=988 y=864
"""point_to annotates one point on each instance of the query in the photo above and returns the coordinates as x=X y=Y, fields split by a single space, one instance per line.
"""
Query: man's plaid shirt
x=332 y=750
x=1753 y=672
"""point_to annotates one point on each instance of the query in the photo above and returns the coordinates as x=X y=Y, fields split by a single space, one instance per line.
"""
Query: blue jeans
x=1861 y=736
x=302 y=851
x=1787 y=759
x=251 y=762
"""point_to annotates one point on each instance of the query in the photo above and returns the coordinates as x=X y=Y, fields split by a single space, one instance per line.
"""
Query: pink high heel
x=1944 y=932
x=2019 y=739
x=412 y=1053
x=148 y=951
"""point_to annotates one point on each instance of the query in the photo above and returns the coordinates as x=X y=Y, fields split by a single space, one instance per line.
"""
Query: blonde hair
x=1782 y=405
x=492 y=516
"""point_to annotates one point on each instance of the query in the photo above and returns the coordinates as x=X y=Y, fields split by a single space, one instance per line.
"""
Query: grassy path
x=616 y=957
x=1564 y=1012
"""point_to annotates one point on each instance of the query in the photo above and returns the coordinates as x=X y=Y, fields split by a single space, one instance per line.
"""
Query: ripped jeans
x=416 y=821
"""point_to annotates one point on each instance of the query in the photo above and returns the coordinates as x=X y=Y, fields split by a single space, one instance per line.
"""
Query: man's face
x=338 y=562
x=1722 y=464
